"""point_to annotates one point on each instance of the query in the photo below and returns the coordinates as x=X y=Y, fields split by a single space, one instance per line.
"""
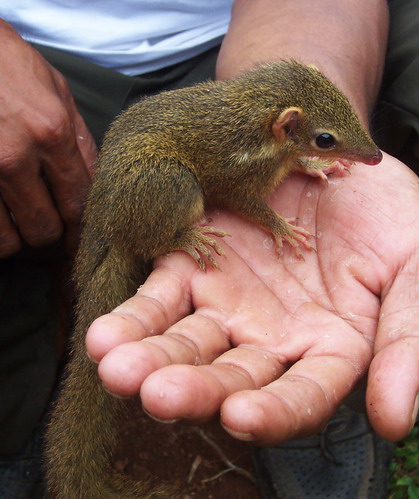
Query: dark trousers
x=396 y=120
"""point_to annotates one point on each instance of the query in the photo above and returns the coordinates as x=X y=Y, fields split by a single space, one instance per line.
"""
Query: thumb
x=393 y=379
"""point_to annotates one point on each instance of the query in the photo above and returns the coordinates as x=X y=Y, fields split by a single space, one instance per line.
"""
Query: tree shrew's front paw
x=294 y=235
x=197 y=242
x=317 y=167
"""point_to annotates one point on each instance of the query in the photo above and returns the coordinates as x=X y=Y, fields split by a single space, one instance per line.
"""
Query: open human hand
x=276 y=344
x=46 y=151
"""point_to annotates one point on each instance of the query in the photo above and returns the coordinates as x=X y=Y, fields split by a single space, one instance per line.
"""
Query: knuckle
x=53 y=129
x=72 y=204
x=42 y=230
x=60 y=81
x=73 y=212
x=43 y=236
x=9 y=245
x=10 y=164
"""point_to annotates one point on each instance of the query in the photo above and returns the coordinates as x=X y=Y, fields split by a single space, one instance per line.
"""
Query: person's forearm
x=345 y=39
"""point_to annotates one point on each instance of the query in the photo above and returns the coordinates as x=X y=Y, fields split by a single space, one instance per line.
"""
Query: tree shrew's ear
x=287 y=124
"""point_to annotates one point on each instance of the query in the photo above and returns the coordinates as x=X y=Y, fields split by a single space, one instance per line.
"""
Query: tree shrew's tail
x=84 y=424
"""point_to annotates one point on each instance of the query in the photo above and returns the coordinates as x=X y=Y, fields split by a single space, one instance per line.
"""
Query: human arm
x=346 y=40
x=46 y=151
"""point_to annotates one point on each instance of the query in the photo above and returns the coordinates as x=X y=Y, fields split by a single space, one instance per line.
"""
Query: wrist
x=6 y=29
x=346 y=41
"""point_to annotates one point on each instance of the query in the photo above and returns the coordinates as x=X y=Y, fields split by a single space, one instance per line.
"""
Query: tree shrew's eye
x=325 y=141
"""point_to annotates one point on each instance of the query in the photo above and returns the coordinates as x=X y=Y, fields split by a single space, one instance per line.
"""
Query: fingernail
x=415 y=411
x=246 y=437
x=91 y=358
x=165 y=421
x=114 y=394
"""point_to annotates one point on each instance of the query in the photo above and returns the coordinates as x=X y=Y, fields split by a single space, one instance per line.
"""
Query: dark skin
x=44 y=141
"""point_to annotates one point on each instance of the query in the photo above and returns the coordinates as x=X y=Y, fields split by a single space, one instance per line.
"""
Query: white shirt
x=130 y=36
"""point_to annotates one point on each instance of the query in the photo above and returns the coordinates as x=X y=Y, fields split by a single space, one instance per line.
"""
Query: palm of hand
x=303 y=331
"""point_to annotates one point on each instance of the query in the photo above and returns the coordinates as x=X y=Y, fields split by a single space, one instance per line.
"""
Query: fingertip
x=43 y=232
x=165 y=394
x=269 y=416
x=258 y=417
x=161 y=395
x=106 y=333
x=392 y=392
x=121 y=372
x=239 y=415
x=10 y=246
x=181 y=392
x=390 y=426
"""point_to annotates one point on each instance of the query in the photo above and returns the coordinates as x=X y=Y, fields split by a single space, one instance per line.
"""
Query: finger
x=61 y=160
x=196 y=393
x=298 y=404
x=393 y=389
x=344 y=357
x=70 y=180
x=194 y=340
x=85 y=141
x=393 y=381
x=9 y=238
x=27 y=198
x=332 y=361
x=160 y=302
